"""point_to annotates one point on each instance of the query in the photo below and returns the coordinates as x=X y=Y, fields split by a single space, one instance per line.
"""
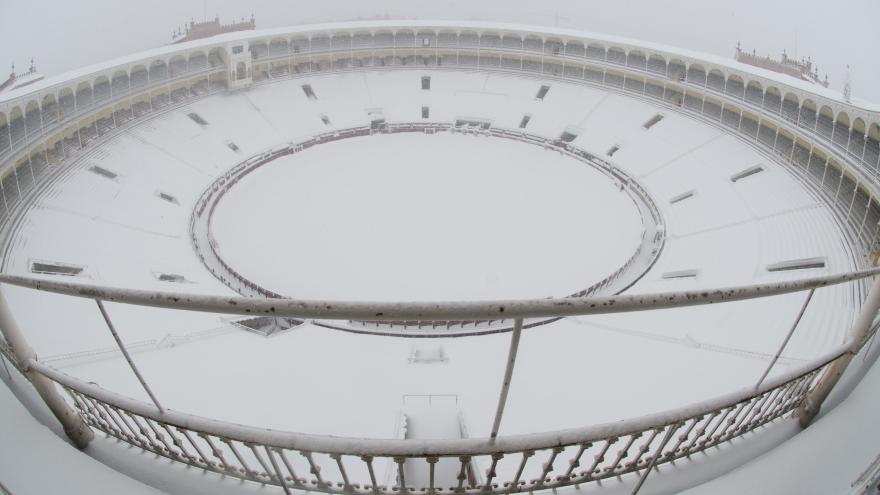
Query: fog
x=63 y=35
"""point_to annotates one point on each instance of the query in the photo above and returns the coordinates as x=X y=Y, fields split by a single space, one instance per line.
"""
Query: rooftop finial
x=847 y=87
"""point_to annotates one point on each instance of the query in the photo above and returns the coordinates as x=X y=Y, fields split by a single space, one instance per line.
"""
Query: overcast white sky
x=62 y=35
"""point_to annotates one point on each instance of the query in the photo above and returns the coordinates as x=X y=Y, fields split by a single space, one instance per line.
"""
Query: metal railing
x=503 y=464
x=632 y=447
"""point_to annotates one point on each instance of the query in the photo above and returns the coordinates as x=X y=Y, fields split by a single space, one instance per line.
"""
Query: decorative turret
x=15 y=81
x=802 y=69
x=199 y=30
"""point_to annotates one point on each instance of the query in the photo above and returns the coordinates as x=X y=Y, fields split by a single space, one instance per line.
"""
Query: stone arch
x=4 y=133
x=825 y=121
x=32 y=116
x=66 y=102
x=177 y=65
x=101 y=88
x=772 y=99
x=216 y=56
x=83 y=95
x=616 y=55
x=16 y=125
x=657 y=63
x=791 y=106
x=259 y=49
x=755 y=93
x=49 y=109
x=637 y=59
x=197 y=60
x=677 y=70
x=278 y=47
x=158 y=70
x=696 y=74
x=574 y=48
x=119 y=82
x=533 y=43
x=808 y=113
x=596 y=51
x=735 y=86
x=138 y=76
x=339 y=41
x=553 y=46
x=715 y=80
x=406 y=38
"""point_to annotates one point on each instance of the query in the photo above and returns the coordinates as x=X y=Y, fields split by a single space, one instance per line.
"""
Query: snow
x=35 y=459
x=521 y=207
x=669 y=52
x=433 y=217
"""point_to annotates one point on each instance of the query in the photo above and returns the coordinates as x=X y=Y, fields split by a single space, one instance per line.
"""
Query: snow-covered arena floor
x=433 y=217
x=574 y=372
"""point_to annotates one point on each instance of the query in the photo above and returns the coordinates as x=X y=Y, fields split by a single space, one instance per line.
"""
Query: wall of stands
x=833 y=145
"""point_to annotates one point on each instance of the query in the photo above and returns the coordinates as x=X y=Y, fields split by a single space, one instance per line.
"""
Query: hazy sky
x=62 y=35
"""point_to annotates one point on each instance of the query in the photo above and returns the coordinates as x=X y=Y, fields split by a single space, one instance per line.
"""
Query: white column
x=74 y=426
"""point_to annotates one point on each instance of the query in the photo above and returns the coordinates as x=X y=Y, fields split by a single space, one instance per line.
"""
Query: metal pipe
x=125 y=353
x=508 y=375
x=787 y=338
x=74 y=426
x=858 y=335
x=345 y=310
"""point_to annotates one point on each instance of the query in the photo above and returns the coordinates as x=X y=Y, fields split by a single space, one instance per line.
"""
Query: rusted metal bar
x=787 y=338
x=508 y=375
x=125 y=353
x=339 y=310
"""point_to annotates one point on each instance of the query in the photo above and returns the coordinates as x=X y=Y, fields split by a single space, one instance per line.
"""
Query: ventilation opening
x=310 y=94
x=654 y=120
x=233 y=146
x=746 y=173
x=801 y=264
x=167 y=197
x=198 y=119
x=428 y=355
x=426 y=112
x=568 y=136
x=614 y=149
x=376 y=123
x=169 y=277
x=426 y=82
x=482 y=124
x=103 y=172
x=525 y=121
x=55 y=268
x=691 y=273
x=267 y=326
x=542 y=92
x=683 y=196
x=325 y=119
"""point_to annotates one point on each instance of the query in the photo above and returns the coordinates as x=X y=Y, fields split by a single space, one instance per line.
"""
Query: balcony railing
x=628 y=450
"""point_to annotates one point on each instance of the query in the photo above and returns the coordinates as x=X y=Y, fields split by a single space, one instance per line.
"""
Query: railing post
x=508 y=373
x=860 y=332
x=127 y=356
x=74 y=426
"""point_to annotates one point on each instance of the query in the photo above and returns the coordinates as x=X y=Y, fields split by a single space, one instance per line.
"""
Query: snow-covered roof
x=374 y=25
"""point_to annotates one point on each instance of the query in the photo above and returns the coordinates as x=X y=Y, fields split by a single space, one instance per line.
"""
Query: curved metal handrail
x=329 y=444
x=347 y=310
